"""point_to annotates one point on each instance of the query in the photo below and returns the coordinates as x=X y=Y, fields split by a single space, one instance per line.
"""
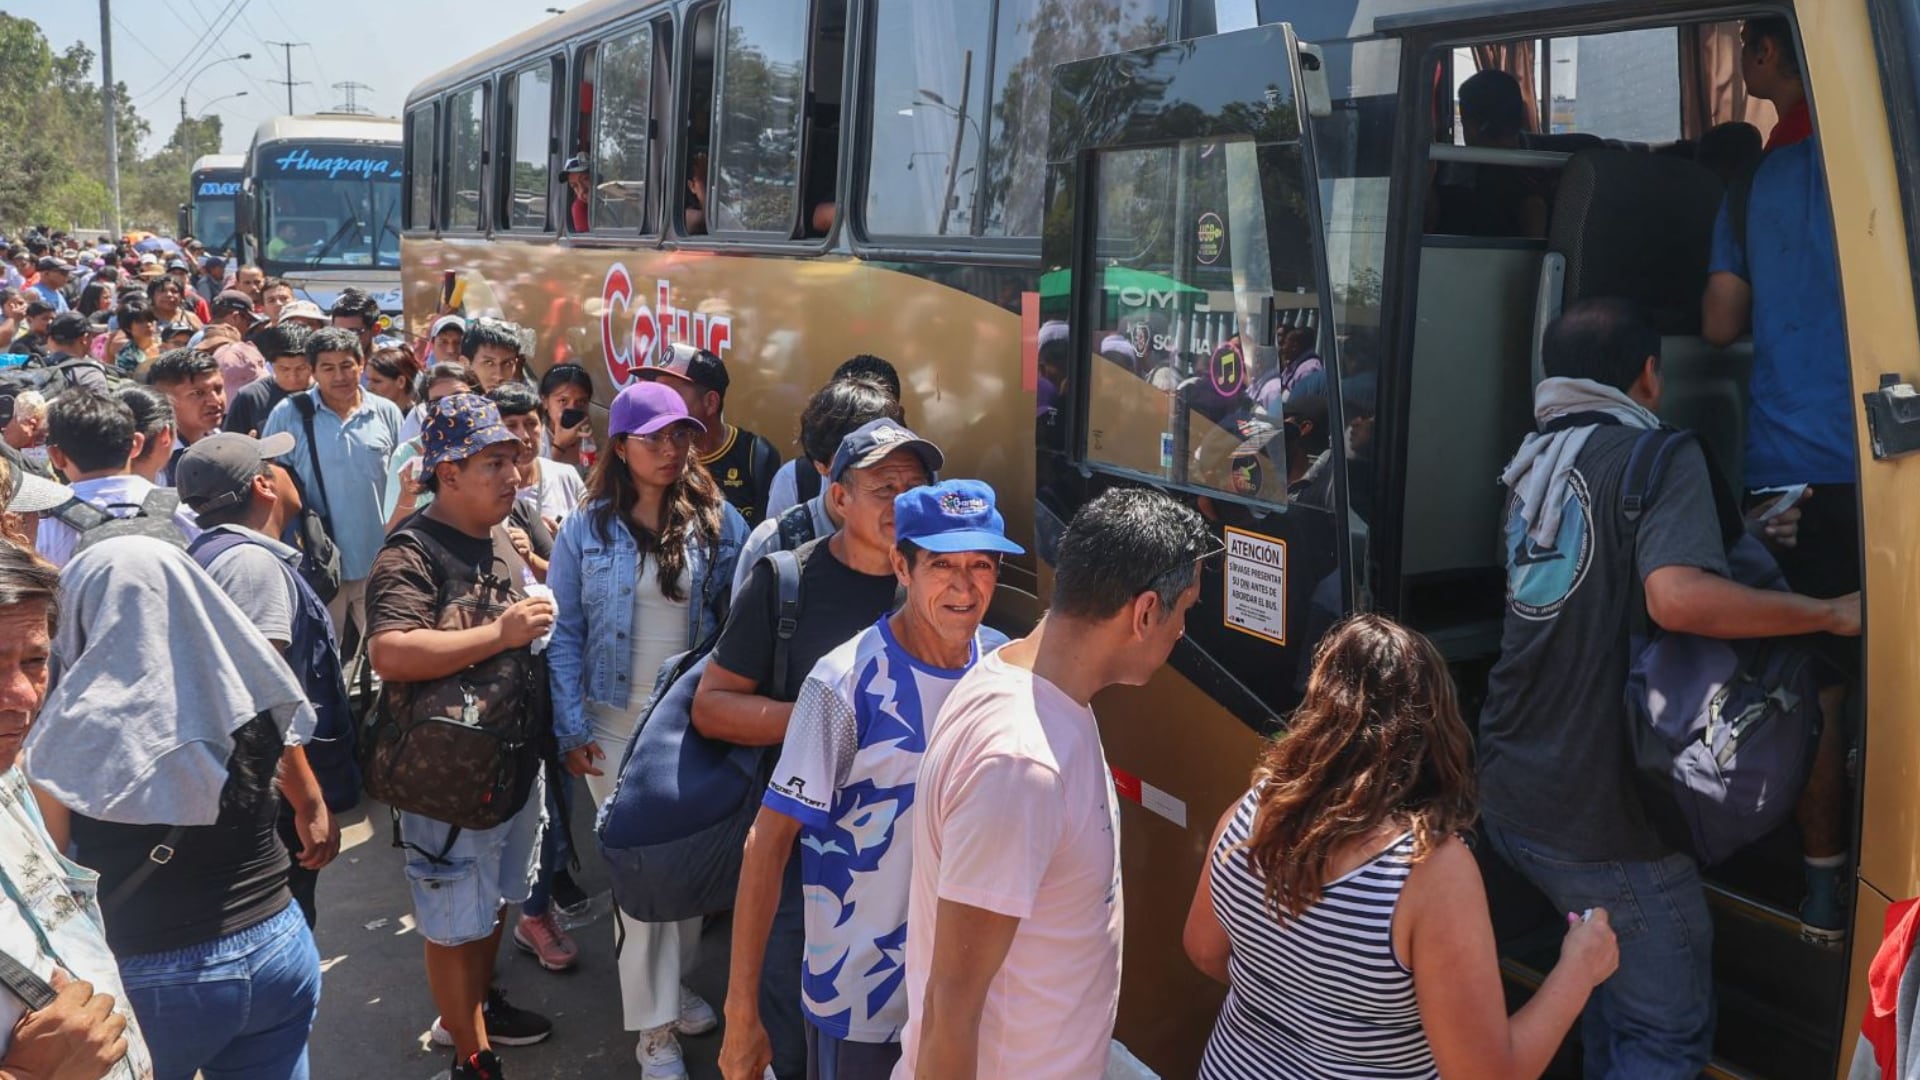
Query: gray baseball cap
x=218 y=470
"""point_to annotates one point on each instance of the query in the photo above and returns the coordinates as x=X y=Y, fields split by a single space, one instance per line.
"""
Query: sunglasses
x=1217 y=548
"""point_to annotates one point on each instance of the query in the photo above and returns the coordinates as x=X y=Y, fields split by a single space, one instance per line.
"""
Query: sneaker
x=507 y=1024
x=696 y=1016
x=481 y=1066
x=1823 y=914
x=549 y=944
x=569 y=898
x=659 y=1055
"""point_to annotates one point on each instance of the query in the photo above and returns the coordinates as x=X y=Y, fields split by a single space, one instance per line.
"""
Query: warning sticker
x=1135 y=790
x=1256 y=585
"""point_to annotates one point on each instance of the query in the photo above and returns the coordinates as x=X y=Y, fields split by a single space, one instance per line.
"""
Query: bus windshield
x=329 y=207
x=213 y=210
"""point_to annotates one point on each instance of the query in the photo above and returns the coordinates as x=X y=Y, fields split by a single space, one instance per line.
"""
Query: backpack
x=796 y=525
x=1722 y=732
x=762 y=464
x=314 y=655
x=319 y=557
x=806 y=480
x=51 y=379
x=673 y=830
x=151 y=517
x=464 y=749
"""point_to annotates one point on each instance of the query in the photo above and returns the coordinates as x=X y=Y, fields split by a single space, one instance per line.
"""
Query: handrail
x=1497 y=155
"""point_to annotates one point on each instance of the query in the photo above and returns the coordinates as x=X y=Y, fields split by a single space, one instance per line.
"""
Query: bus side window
x=422 y=167
x=623 y=130
x=824 y=79
x=699 y=117
x=466 y=159
x=527 y=192
x=753 y=164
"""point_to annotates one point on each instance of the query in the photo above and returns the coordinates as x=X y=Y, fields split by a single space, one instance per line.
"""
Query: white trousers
x=654 y=957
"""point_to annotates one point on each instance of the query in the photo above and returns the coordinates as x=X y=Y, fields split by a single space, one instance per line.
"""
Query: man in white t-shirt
x=93 y=439
x=844 y=786
x=1013 y=928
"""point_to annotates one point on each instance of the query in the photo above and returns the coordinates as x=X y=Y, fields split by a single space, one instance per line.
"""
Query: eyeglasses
x=1216 y=549
x=680 y=435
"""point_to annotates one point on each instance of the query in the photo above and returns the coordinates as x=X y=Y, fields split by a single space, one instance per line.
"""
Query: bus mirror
x=1313 y=79
x=184 y=220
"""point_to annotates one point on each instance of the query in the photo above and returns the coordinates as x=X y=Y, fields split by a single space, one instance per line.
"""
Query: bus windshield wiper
x=339 y=234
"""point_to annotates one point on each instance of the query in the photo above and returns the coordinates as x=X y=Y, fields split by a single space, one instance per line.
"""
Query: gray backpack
x=152 y=516
x=1723 y=732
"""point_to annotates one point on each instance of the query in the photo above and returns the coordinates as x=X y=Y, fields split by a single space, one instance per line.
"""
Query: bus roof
x=540 y=38
x=328 y=127
x=219 y=163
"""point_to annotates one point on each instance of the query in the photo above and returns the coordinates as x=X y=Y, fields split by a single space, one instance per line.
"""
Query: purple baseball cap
x=645 y=407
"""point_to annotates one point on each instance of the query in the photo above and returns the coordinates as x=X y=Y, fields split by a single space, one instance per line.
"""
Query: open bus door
x=1182 y=241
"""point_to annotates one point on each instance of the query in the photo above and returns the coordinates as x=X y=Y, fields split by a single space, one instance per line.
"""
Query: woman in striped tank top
x=1341 y=906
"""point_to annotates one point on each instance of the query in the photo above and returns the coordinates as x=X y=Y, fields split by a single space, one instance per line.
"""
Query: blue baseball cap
x=459 y=426
x=870 y=444
x=952 y=515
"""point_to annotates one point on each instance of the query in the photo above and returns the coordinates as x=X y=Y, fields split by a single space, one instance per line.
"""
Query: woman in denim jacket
x=643 y=571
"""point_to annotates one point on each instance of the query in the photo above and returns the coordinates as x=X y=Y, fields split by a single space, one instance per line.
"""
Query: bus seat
x=1640 y=226
x=1566 y=142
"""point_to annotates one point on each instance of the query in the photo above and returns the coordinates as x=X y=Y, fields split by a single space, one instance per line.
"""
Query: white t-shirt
x=659 y=631
x=1017 y=815
x=119 y=495
x=846 y=773
x=560 y=490
x=785 y=491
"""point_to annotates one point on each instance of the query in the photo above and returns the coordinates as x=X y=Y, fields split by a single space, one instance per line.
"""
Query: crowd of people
x=410 y=568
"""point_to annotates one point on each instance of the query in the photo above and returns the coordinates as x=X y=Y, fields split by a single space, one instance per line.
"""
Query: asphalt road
x=375 y=1009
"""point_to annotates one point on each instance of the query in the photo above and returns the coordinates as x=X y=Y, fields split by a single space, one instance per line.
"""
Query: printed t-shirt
x=1017 y=816
x=846 y=773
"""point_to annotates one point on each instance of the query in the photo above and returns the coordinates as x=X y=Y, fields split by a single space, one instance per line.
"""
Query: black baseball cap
x=54 y=262
x=68 y=326
x=232 y=300
x=688 y=364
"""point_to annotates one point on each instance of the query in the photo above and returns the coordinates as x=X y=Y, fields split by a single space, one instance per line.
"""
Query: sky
x=387 y=45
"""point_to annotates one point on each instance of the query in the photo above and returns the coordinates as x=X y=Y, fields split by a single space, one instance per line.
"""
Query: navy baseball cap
x=459 y=426
x=868 y=445
x=952 y=515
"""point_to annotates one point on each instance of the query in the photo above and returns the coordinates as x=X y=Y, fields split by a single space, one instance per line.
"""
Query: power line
x=319 y=68
x=203 y=45
x=241 y=14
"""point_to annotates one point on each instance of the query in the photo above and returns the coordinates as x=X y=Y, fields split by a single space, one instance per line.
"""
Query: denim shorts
x=458 y=898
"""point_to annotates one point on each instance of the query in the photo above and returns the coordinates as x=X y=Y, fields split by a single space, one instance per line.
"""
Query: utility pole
x=349 y=89
x=289 y=82
x=108 y=99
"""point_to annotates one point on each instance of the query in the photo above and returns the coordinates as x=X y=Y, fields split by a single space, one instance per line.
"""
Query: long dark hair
x=693 y=500
x=1378 y=739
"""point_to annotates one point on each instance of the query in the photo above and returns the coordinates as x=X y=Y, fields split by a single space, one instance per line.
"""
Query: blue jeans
x=234 y=1008
x=1653 y=1020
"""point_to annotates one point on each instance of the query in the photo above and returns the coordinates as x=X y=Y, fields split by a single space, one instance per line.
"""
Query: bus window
x=1630 y=89
x=1033 y=37
x=929 y=107
x=466 y=140
x=580 y=139
x=421 y=167
x=703 y=21
x=623 y=132
x=529 y=106
x=826 y=70
x=754 y=162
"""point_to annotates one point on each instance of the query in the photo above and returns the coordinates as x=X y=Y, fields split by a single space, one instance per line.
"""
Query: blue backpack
x=1722 y=732
x=674 y=828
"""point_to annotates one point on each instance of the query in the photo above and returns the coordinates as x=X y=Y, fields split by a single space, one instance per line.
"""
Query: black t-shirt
x=248 y=410
x=744 y=469
x=30 y=344
x=1555 y=764
x=526 y=515
x=836 y=602
x=222 y=879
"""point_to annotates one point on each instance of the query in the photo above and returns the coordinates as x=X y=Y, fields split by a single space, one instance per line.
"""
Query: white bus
x=321 y=205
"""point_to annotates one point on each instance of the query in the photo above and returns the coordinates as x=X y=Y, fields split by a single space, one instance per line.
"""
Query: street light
x=208 y=107
x=203 y=71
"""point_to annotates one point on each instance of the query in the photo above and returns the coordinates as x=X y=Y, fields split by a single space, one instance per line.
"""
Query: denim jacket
x=593 y=581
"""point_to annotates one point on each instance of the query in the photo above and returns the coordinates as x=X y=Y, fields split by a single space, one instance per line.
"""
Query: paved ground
x=375 y=1010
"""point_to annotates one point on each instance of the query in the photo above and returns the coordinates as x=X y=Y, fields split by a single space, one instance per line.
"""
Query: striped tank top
x=1318 y=997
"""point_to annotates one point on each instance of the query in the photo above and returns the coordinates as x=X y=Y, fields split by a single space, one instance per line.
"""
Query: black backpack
x=152 y=517
x=49 y=380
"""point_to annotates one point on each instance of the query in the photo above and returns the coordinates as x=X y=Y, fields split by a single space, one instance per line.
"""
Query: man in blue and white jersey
x=844 y=786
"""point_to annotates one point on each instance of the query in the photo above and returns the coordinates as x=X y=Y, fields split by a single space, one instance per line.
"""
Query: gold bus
x=1052 y=215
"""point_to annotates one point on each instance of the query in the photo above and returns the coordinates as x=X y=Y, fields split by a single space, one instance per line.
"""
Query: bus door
x=1183 y=346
